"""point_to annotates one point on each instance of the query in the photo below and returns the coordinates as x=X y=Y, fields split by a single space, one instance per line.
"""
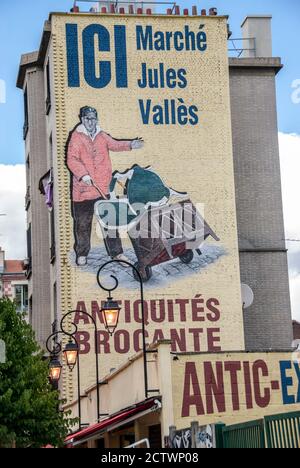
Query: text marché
x=98 y=74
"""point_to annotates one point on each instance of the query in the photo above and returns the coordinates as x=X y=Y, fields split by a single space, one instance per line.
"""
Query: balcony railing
x=242 y=47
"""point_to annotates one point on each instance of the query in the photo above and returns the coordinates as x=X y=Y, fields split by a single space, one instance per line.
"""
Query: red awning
x=91 y=431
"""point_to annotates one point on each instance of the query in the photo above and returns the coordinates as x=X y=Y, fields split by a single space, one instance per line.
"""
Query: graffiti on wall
x=201 y=437
x=181 y=439
x=205 y=437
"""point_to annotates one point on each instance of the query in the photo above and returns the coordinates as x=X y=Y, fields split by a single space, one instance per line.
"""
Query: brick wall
x=263 y=258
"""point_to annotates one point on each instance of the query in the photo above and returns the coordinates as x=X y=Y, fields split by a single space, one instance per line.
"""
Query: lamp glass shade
x=110 y=314
x=71 y=354
x=54 y=370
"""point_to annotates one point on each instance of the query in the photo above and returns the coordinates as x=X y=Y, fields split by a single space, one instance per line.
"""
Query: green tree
x=29 y=407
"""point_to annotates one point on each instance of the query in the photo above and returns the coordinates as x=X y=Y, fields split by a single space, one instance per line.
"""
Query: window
x=21 y=297
x=26 y=124
x=48 y=86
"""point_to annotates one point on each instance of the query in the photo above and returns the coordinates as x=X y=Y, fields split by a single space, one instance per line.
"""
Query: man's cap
x=84 y=111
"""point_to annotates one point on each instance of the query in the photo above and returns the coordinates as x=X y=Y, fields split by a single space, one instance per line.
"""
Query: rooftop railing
x=238 y=48
x=242 y=47
x=136 y=7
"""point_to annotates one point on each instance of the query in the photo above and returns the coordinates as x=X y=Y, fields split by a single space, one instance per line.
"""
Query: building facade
x=190 y=389
x=263 y=259
x=229 y=163
x=13 y=282
x=296 y=330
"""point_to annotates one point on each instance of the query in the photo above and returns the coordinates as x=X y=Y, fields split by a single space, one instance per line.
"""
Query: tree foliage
x=29 y=407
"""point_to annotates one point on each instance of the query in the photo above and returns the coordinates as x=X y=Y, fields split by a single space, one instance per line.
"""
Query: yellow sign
x=145 y=173
x=234 y=387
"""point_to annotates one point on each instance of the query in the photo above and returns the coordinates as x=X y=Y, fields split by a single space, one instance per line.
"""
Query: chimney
x=2 y=260
x=257 y=28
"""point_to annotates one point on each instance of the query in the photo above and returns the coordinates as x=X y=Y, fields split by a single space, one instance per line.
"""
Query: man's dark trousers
x=83 y=218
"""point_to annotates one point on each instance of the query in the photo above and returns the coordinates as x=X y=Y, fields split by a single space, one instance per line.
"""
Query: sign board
x=234 y=387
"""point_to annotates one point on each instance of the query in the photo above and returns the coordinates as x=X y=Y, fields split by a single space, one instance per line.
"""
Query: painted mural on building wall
x=161 y=223
x=144 y=160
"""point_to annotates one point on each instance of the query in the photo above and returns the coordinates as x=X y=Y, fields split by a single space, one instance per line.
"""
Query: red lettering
x=248 y=388
x=137 y=311
x=191 y=391
x=233 y=368
x=178 y=342
x=198 y=310
x=170 y=311
x=137 y=340
x=103 y=342
x=83 y=339
x=96 y=312
x=182 y=308
x=215 y=313
x=158 y=335
x=214 y=387
x=196 y=332
x=212 y=340
x=81 y=316
x=119 y=336
x=262 y=399
x=159 y=316
x=127 y=311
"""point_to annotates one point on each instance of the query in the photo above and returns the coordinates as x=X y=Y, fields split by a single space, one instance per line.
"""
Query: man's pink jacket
x=90 y=156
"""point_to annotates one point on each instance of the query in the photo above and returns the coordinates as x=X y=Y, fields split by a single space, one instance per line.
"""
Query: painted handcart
x=161 y=223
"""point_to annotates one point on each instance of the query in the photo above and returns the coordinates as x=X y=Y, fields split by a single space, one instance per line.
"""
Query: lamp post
x=110 y=313
x=71 y=353
x=55 y=366
x=54 y=370
x=111 y=310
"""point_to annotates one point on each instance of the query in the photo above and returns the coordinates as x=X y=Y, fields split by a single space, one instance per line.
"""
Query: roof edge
x=257 y=62
x=256 y=17
x=34 y=59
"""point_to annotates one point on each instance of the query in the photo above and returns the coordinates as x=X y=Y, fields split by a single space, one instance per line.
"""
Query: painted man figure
x=89 y=163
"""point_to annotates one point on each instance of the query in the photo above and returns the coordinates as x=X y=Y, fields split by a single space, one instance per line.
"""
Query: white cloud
x=290 y=171
x=12 y=201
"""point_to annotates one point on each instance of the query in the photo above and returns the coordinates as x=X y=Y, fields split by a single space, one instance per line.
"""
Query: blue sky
x=21 y=24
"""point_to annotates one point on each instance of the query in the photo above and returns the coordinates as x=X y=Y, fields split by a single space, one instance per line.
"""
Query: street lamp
x=111 y=309
x=110 y=313
x=54 y=370
x=71 y=354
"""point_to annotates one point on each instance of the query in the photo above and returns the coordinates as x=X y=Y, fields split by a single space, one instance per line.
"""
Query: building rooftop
x=13 y=266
